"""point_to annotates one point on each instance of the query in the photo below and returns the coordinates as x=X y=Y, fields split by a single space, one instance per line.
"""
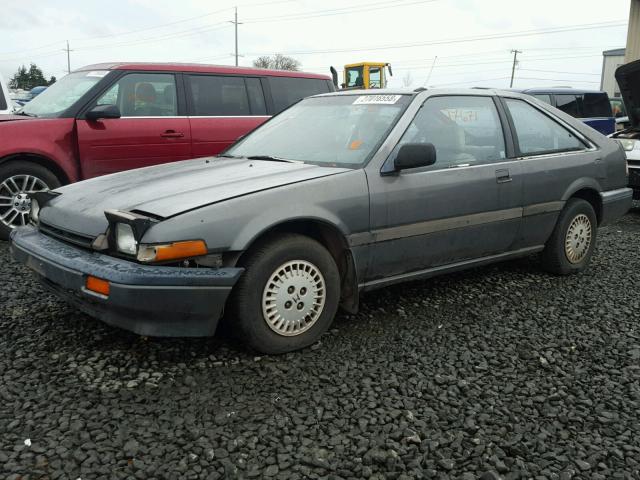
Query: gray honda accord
x=340 y=194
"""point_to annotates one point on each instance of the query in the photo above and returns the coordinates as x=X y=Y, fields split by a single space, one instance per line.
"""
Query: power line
x=522 y=33
x=339 y=11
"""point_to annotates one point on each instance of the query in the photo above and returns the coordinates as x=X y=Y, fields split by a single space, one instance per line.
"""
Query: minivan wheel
x=17 y=180
x=571 y=245
x=287 y=296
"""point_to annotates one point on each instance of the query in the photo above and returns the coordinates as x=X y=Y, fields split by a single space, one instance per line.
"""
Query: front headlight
x=628 y=144
x=125 y=239
x=34 y=213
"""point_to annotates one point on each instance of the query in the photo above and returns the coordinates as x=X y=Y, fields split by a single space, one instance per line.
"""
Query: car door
x=222 y=108
x=152 y=128
x=554 y=156
x=467 y=205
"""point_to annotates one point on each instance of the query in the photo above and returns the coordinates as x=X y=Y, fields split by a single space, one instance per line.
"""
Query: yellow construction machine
x=363 y=75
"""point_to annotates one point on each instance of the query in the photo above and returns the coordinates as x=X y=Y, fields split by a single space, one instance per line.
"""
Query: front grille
x=83 y=241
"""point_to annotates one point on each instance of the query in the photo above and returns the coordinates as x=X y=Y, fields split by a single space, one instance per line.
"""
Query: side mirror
x=414 y=155
x=103 y=111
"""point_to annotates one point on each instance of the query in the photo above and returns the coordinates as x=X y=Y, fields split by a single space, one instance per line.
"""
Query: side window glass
x=288 y=90
x=354 y=77
x=143 y=95
x=110 y=97
x=465 y=130
x=568 y=104
x=374 y=77
x=537 y=133
x=214 y=95
x=543 y=97
x=256 y=97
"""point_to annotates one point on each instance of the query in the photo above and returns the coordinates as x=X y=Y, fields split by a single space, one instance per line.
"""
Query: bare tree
x=407 y=80
x=277 y=62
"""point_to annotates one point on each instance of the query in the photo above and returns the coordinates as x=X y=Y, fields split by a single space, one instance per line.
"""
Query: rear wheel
x=17 y=180
x=287 y=296
x=571 y=245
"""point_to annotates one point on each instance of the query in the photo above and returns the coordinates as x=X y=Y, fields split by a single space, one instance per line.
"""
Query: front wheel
x=287 y=296
x=17 y=180
x=571 y=245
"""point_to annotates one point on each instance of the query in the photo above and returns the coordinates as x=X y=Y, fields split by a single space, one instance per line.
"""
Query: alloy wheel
x=578 y=238
x=15 y=203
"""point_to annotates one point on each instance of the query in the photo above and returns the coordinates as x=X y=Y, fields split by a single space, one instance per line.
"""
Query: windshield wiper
x=271 y=158
x=227 y=155
x=25 y=114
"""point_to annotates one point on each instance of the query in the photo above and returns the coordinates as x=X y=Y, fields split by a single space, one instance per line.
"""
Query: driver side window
x=143 y=95
x=465 y=130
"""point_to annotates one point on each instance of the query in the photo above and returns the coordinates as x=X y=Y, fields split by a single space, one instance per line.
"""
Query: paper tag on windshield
x=377 y=99
x=97 y=73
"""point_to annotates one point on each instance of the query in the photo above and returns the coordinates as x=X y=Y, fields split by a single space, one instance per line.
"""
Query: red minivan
x=106 y=118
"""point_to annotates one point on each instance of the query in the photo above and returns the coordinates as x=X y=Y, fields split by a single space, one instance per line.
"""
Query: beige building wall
x=608 y=81
x=633 y=34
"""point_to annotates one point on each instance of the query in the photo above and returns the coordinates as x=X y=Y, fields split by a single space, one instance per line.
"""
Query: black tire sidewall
x=247 y=306
x=12 y=168
x=555 y=256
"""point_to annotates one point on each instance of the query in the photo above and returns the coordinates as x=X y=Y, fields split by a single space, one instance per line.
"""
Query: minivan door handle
x=171 y=134
x=503 y=175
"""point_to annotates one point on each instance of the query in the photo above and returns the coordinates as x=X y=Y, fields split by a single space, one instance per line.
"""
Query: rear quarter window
x=288 y=90
x=596 y=105
x=568 y=104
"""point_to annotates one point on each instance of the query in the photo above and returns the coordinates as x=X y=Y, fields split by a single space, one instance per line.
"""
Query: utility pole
x=68 y=50
x=513 y=67
x=236 y=23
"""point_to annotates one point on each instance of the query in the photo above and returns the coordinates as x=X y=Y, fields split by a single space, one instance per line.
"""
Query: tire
x=38 y=178
x=566 y=254
x=260 y=297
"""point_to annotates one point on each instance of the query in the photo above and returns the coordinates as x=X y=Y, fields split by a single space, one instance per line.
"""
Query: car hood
x=628 y=77
x=170 y=189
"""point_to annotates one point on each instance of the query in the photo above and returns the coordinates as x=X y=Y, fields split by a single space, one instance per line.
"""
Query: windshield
x=332 y=131
x=62 y=94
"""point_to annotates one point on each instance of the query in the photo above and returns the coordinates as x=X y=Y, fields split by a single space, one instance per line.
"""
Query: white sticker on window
x=377 y=99
x=97 y=73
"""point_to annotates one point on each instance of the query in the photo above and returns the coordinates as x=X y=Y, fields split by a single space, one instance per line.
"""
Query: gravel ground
x=501 y=372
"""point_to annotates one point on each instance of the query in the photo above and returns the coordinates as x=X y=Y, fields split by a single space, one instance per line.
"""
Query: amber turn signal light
x=97 y=285
x=172 y=251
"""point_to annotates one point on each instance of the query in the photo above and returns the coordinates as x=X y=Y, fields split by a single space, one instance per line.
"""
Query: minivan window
x=537 y=133
x=63 y=94
x=143 y=95
x=463 y=129
x=596 y=105
x=288 y=90
x=568 y=104
x=215 y=95
x=256 y=96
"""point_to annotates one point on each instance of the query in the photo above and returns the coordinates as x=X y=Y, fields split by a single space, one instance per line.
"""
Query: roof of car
x=416 y=91
x=552 y=90
x=199 y=68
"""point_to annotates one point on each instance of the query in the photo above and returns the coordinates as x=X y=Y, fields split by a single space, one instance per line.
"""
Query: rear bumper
x=615 y=203
x=147 y=300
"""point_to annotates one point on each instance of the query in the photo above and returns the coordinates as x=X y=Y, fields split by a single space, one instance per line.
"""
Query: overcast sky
x=561 y=41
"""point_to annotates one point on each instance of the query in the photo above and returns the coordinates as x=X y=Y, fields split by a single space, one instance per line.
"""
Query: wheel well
x=593 y=198
x=335 y=242
x=40 y=160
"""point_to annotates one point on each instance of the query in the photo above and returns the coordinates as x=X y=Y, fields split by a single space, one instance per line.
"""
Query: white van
x=6 y=106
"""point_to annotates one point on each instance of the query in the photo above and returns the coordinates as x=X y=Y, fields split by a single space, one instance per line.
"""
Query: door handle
x=503 y=175
x=171 y=134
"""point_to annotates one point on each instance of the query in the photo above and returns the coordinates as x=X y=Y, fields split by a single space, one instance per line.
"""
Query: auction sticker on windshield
x=377 y=99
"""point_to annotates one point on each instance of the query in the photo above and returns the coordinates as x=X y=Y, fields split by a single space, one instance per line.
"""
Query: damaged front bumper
x=145 y=299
